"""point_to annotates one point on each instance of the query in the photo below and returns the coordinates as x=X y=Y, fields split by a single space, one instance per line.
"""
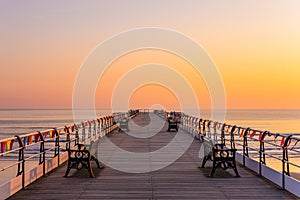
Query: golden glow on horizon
x=134 y=59
x=144 y=97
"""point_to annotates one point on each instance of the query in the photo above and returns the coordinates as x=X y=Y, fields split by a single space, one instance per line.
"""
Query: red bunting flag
x=72 y=128
x=29 y=140
x=295 y=144
x=282 y=141
x=242 y=132
x=3 y=146
x=253 y=134
x=45 y=135
x=36 y=137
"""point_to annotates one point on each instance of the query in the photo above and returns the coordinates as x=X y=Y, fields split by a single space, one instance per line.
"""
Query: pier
x=183 y=179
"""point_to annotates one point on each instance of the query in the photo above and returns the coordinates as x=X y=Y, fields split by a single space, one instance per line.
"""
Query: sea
x=22 y=121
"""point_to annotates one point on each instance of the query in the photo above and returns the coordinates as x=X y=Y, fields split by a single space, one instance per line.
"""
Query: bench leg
x=68 y=168
x=235 y=169
x=215 y=166
x=97 y=162
x=89 y=166
x=205 y=159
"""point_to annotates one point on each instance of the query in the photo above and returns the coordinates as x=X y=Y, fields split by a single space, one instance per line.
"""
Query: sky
x=254 y=44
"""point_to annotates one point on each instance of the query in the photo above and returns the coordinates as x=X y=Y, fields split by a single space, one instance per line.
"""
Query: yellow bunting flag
x=8 y=145
x=51 y=134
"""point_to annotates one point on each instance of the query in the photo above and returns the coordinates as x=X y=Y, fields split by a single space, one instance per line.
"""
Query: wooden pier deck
x=182 y=179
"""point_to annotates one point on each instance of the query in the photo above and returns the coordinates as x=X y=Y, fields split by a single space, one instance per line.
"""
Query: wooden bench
x=172 y=125
x=221 y=156
x=80 y=157
x=123 y=125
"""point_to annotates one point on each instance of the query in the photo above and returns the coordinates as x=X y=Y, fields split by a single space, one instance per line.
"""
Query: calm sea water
x=22 y=121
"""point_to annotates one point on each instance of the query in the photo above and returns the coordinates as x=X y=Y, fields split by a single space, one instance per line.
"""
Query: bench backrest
x=93 y=149
x=208 y=145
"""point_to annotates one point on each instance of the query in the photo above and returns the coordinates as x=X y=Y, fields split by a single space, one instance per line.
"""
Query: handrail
x=51 y=143
x=251 y=140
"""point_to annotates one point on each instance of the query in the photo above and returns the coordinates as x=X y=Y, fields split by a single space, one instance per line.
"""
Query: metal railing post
x=21 y=163
x=245 y=146
x=262 y=156
x=285 y=160
x=42 y=153
x=57 y=146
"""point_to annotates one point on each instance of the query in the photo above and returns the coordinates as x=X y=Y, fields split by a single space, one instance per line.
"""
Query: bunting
x=253 y=134
x=275 y=137
x=25 y=139
x=36 y=138
x=29 y=139
x=242 y=132
x=237 y=130
x=11 y=144
x=51 y=134
x=295 y=144
x=45 y=134
x=3 y=146
x=282 y=141
x=7 y=145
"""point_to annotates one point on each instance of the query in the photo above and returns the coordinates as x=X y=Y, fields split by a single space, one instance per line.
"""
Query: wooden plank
x=182 y=179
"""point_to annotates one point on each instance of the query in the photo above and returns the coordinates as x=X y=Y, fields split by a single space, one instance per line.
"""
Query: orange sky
x=254 y=44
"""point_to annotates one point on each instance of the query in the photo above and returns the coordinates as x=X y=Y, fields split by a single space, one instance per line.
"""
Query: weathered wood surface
x=181 y=180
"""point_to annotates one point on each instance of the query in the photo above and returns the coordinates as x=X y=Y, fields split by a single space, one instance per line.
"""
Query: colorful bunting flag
x=3 y=147
x=8 y=145
x=295 y=144
x=45 y=134
x=242 y=132
x=11 y=144
x=253 y=134
x=289 y=142
x=29 y=140
x=36 y=137
x=282 y=141
x=25 y=140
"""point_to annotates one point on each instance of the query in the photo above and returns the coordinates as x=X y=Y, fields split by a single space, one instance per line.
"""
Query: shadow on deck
x=182 y=179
